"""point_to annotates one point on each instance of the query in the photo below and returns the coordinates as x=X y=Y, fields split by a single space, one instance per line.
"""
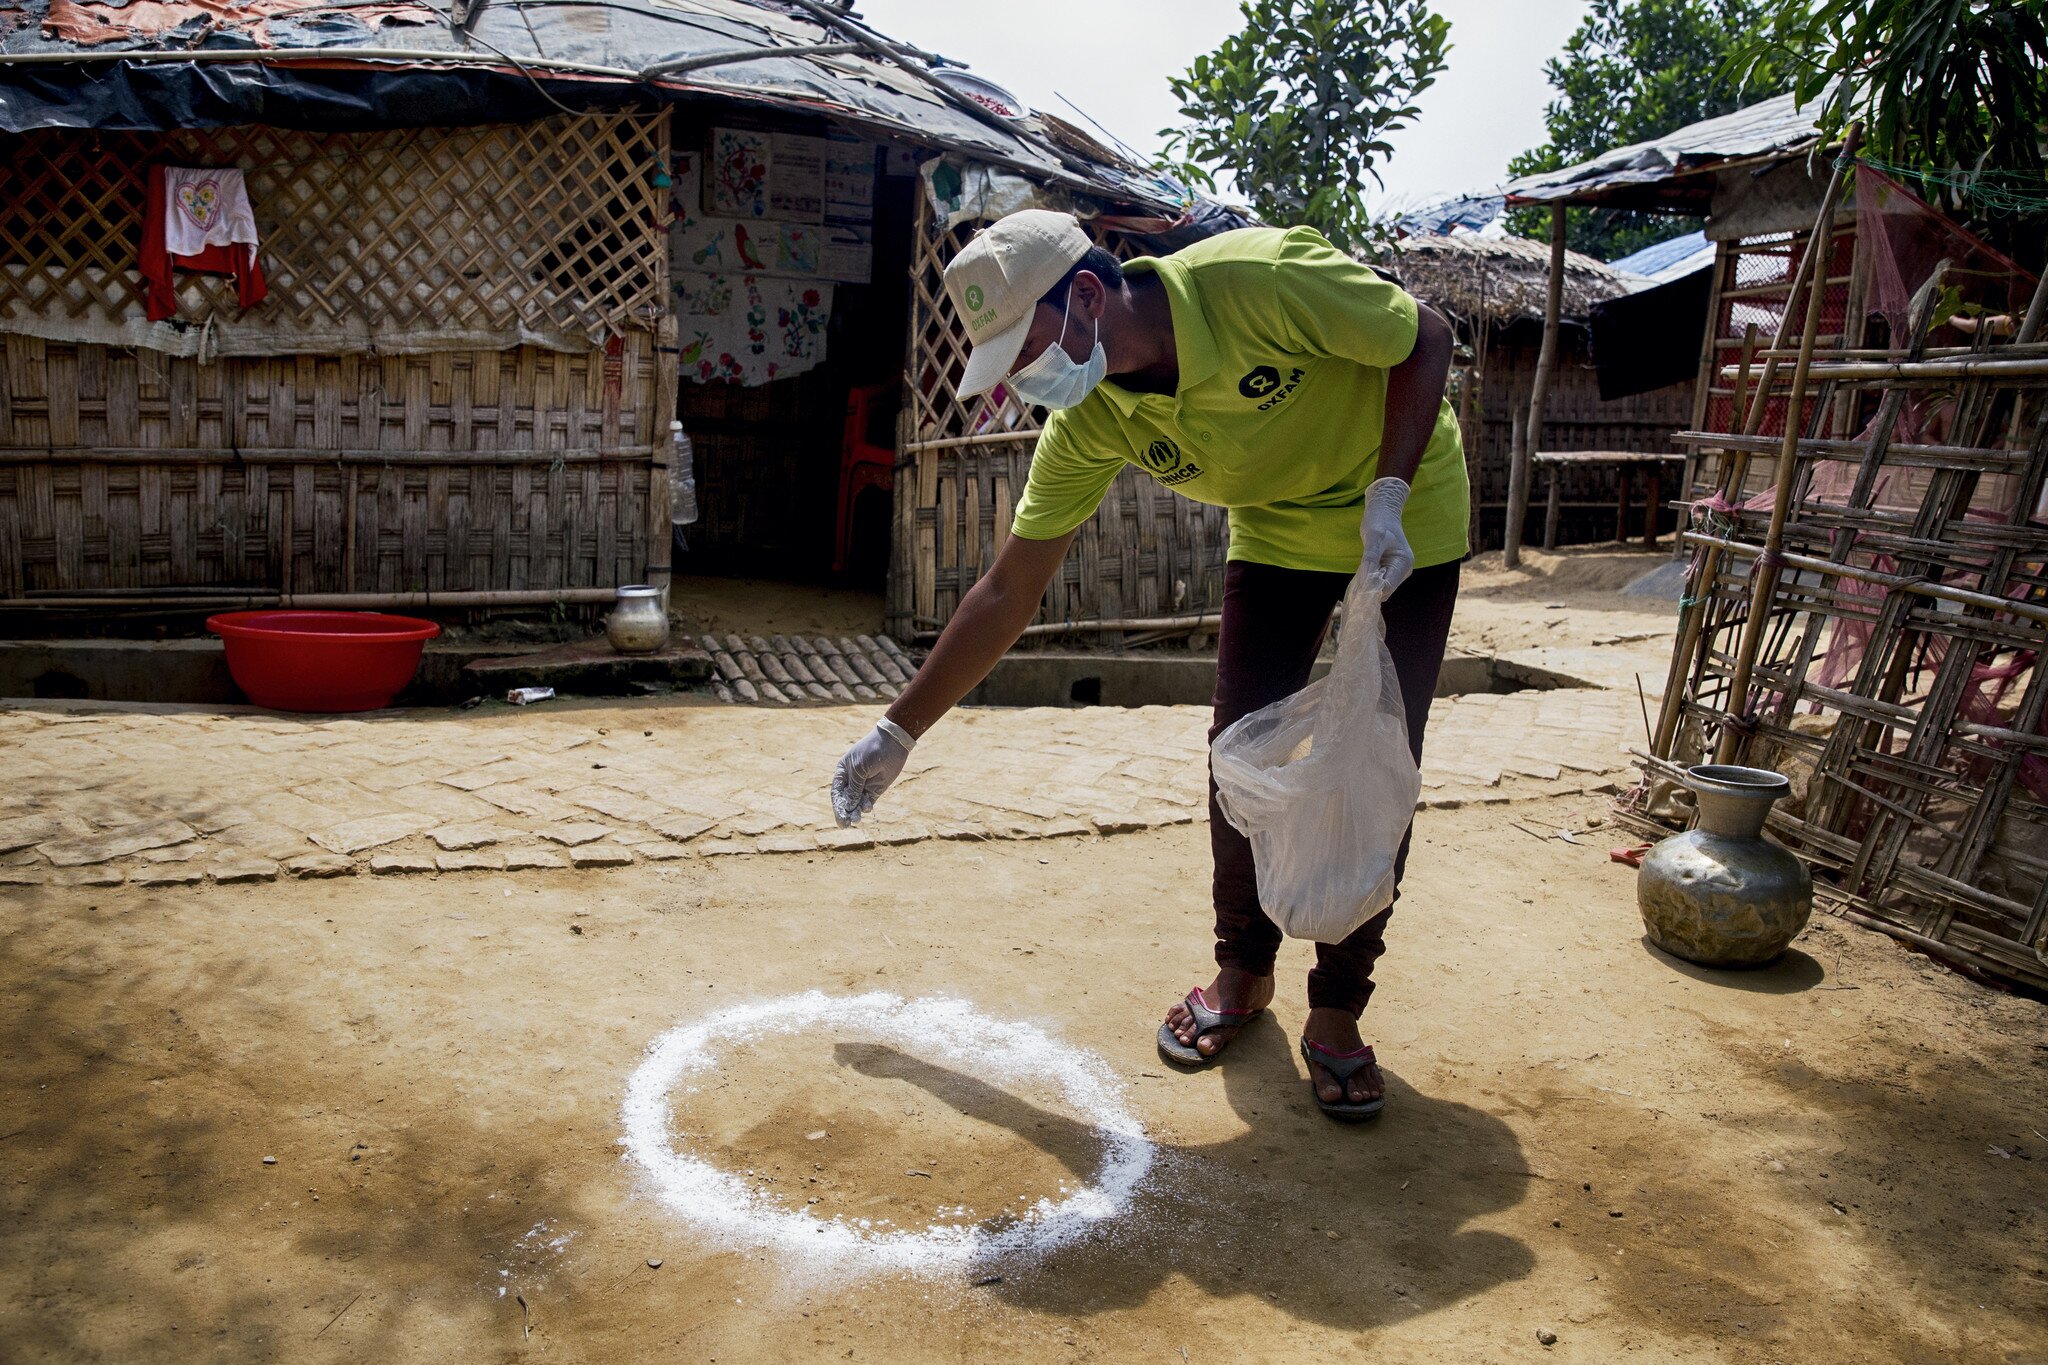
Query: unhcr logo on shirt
x=1162 y=459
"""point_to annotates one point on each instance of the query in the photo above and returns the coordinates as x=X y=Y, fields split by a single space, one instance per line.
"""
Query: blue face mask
x=1056 y=380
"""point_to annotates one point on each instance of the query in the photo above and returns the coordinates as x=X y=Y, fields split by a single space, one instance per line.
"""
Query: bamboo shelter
x=1748 y=174
x=1866 y=598
x=1495 y=290
x=504 y=248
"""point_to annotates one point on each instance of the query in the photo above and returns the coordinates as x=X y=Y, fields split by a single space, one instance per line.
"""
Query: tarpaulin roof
x=1472 y=212
x=1669 y=260
x=1674 y=171
x=358 y=64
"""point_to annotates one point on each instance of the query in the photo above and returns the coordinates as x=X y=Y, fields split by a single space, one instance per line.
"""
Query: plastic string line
x=1992 y=187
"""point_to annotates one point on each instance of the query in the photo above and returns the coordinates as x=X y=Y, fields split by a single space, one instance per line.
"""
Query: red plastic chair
x=862 y=463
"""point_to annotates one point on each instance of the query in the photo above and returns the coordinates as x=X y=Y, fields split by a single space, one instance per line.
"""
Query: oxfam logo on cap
x=974 y=298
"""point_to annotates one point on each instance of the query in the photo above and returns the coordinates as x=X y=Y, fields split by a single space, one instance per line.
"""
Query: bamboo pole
x=1763 y=572
x=1987 y=368
x=1819 y=245
x=1206 y=621
x=2030 y=328
x=661 y=531
x=1740 y=401
x=2037 y=313
x=1994 y=459
x=44 y=454
x=2032 y=611
x=1546 y=361
x=962 y=442
x=2012 y=350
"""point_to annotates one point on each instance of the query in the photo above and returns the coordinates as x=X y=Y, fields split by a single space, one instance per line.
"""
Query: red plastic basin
x=322 y=660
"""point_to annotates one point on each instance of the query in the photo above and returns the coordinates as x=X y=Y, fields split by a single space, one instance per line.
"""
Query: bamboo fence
x=962 y=463
x=458 y=382
x=1866 y=612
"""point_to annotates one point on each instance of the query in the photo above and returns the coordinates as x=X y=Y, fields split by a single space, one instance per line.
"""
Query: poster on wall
x=736 y=176
x=848 y=254
x=840 y=249
x=749 y=329
x=761 y=228
x=849 y=179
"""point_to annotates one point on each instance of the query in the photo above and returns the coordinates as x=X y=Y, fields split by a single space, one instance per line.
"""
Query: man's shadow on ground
x=1251 y=1215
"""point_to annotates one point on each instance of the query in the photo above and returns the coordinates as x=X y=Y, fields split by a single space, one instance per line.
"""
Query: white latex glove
x=1386 y=545
x=868 y=769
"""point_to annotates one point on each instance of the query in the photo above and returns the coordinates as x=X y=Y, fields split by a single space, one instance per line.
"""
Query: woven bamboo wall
x=1145 y=552
x=123 y=468
x=443 y=472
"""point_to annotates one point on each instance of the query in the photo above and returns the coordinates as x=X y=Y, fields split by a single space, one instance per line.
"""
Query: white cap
x=997 y=280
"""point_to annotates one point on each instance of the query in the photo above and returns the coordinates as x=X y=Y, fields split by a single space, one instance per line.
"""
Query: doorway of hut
x=792 y=308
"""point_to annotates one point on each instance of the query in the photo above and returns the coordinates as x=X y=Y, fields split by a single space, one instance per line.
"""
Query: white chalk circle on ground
x=953 y=1031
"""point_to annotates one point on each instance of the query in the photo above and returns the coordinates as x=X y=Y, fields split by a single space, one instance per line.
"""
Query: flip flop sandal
x=1342 y=1065
x=1207 y=1020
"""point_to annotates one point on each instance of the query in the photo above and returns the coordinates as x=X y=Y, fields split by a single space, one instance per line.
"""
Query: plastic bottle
x=682 y=477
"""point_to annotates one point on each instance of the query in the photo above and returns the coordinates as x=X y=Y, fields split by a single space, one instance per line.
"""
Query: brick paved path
x=170 y=796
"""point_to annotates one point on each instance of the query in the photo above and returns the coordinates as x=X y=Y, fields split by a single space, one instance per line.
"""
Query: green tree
x=1634 y=70
x=1296 y=108
x=1953 y=93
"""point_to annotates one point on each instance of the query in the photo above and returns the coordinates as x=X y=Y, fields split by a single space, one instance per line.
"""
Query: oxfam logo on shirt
x=1260 y=382
x=974 y=299
x=1265 y=387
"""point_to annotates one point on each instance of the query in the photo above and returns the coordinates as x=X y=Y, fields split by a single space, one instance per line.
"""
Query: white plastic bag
x=1322 y=784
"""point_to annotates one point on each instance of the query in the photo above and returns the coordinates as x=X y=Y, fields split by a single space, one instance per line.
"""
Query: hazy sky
x=1112 y=58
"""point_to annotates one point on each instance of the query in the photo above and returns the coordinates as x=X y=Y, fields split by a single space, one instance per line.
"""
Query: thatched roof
x=1501 y=279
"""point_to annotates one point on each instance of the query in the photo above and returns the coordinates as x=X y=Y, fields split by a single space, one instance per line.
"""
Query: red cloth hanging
x=160 y=298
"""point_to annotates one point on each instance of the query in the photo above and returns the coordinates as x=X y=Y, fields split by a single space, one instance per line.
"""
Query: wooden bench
x=1625 y=463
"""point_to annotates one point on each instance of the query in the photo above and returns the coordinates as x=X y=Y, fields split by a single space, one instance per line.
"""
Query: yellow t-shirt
x=1284 y=345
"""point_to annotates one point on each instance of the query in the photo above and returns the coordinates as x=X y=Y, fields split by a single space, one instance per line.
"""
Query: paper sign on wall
x=796 y=178
x=848 y=254
x=849 y=180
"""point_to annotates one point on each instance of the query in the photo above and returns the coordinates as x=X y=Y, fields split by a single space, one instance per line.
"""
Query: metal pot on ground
x=1720 y=894
x=639 y=623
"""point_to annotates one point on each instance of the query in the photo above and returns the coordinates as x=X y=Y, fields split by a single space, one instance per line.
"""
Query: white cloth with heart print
x=204 y=208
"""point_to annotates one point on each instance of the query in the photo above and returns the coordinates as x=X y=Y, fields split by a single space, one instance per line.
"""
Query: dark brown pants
x=1274 y=621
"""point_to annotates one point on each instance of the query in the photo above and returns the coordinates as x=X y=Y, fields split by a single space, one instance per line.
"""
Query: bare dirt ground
x=1839 y=1158
x=765 y=607
x=1842 y=1158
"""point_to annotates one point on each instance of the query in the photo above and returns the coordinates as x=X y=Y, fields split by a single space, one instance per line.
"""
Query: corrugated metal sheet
x=1664 y=172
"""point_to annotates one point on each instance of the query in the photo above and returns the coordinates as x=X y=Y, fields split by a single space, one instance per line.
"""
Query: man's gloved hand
x=868 y=769
x=1386 y=544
